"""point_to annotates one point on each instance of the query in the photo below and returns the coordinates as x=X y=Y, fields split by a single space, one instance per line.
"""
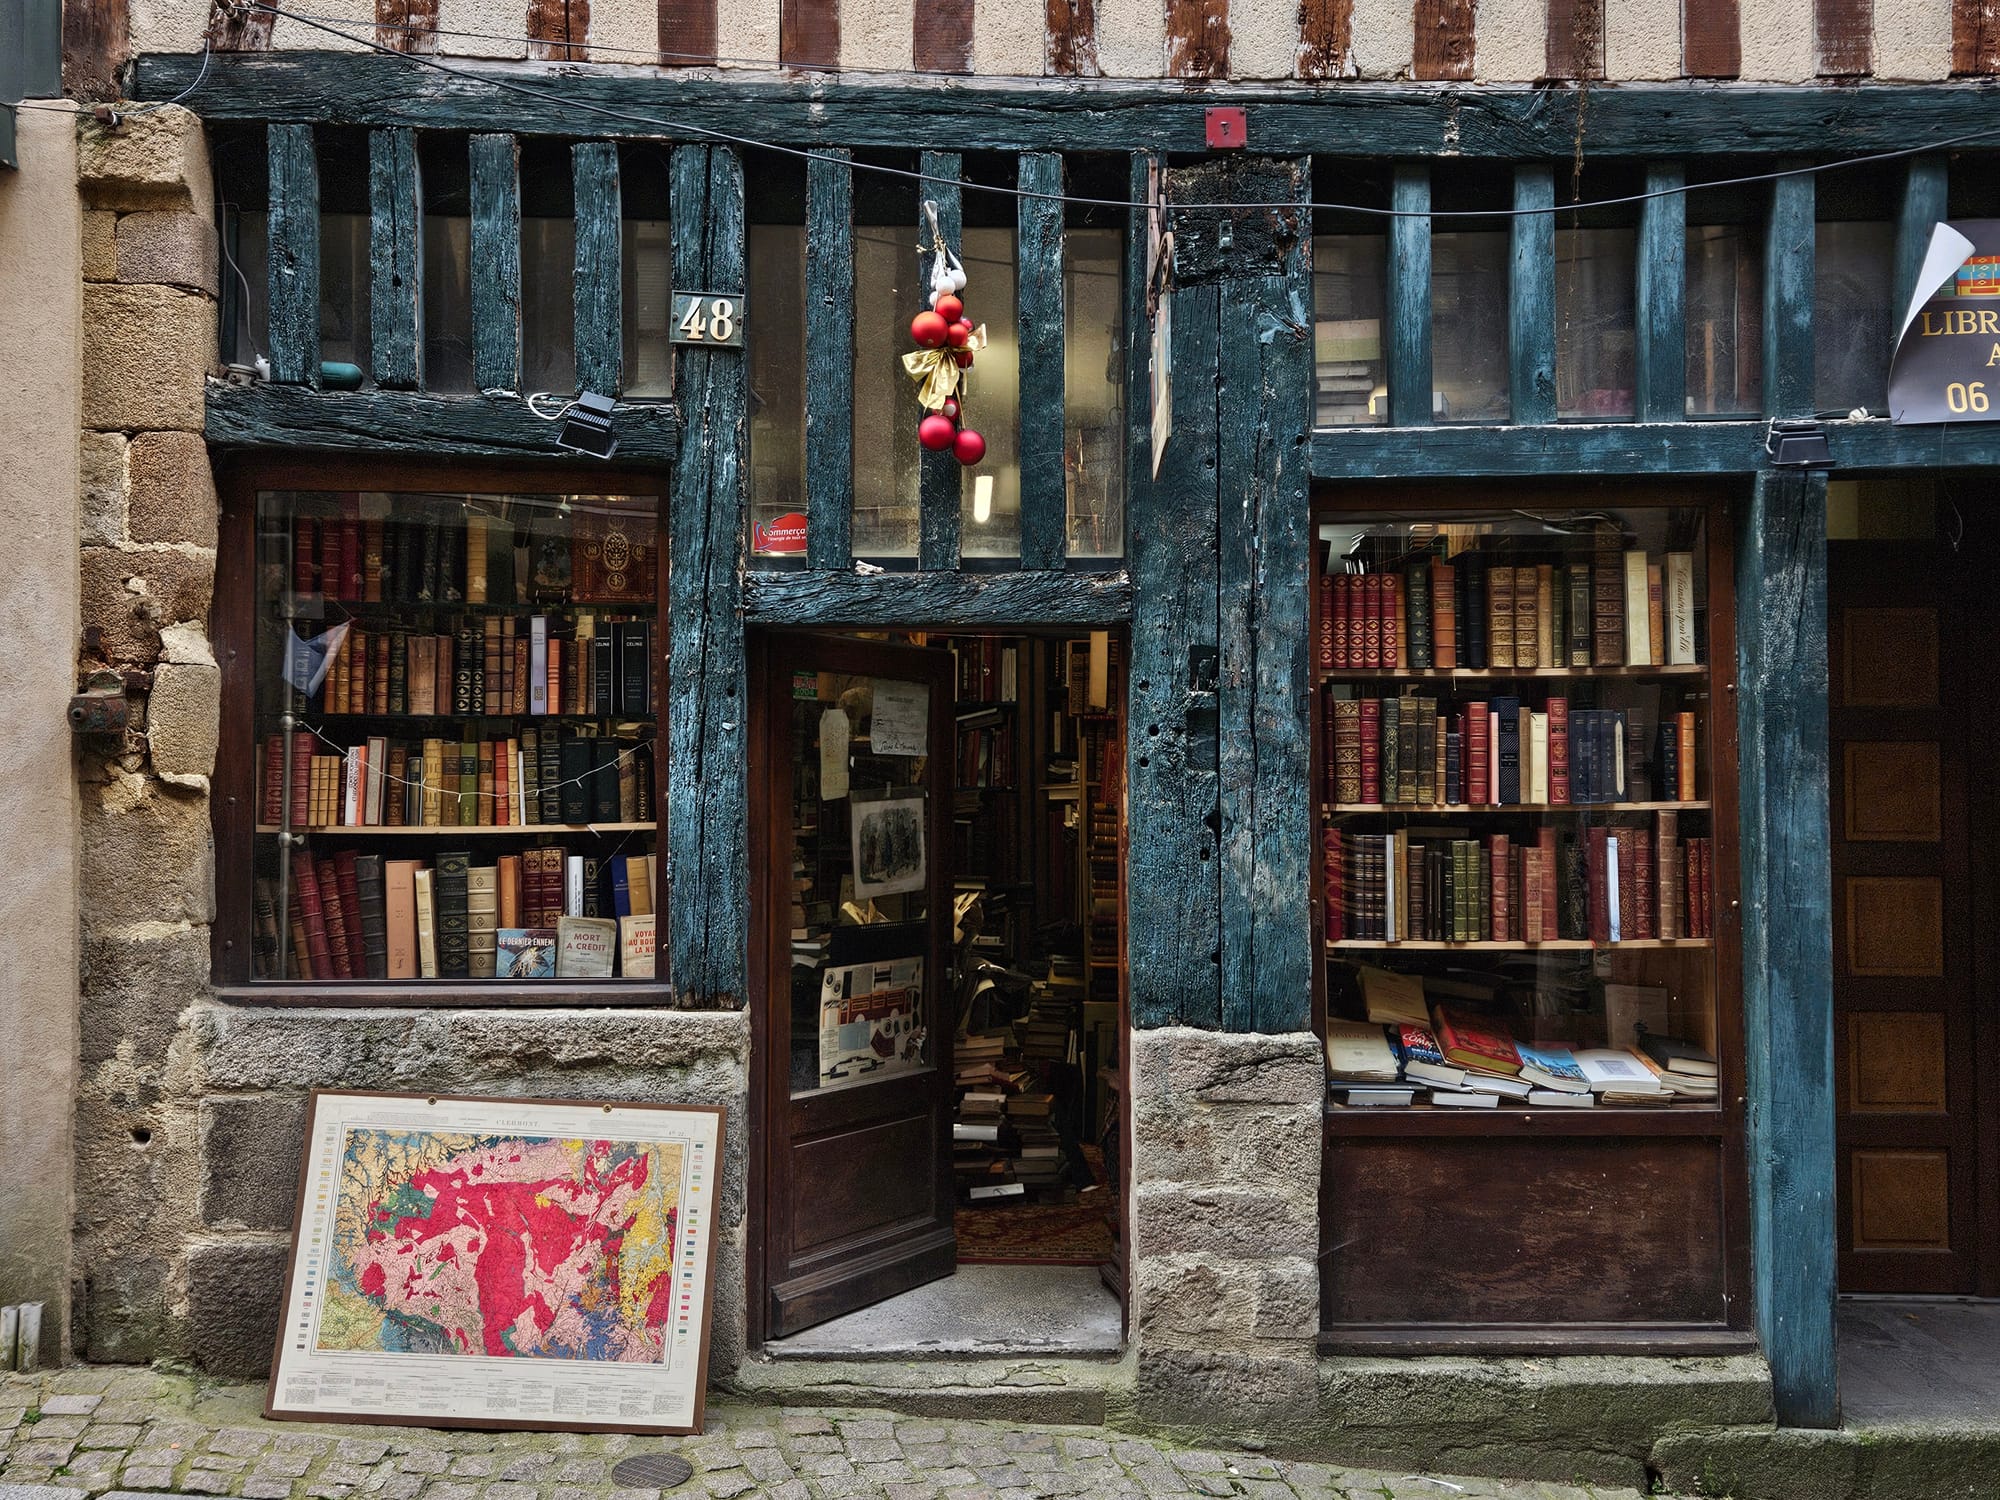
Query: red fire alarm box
x=1227 y=129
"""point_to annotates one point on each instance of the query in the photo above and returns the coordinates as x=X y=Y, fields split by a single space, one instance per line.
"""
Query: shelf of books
x=1517 y=815
x=456 y=705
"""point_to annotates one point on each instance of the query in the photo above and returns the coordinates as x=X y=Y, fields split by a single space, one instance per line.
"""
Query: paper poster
x=888 y=834
x=836 y=736
x=500 y=1263
x=901 y=720
x=1946 y=367
x=870 y=1020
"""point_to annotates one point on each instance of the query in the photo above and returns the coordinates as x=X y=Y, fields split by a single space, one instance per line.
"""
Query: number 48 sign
x=709 y=319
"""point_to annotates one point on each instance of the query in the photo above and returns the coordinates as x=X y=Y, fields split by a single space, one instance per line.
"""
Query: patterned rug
x=1037 y=1234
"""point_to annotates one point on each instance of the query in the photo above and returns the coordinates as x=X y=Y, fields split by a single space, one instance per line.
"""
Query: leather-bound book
x=371 y=901
x=1500 y=616
x=1596 y=864
x=1527 y=619
x=1444 y=615
x=1558 y=713
x=1607 y=598
x=1416 y=580
x=453 y=922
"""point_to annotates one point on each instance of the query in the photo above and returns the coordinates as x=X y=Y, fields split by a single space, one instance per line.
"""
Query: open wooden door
x=855 y=740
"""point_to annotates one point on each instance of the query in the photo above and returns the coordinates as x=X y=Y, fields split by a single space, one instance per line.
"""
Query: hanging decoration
x=946 y=343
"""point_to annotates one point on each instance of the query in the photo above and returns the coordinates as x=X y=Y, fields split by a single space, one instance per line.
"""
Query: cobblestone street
x=92 y=1432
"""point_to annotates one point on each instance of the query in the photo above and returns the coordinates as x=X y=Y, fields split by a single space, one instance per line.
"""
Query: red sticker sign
x=781 y=534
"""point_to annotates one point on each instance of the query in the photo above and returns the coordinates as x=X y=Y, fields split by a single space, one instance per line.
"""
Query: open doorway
x=937 y=840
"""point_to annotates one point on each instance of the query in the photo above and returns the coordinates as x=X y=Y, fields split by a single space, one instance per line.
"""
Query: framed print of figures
x=888 y=841
x=500 y=1263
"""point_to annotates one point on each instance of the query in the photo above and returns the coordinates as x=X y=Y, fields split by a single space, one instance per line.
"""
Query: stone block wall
x=1225 y=1229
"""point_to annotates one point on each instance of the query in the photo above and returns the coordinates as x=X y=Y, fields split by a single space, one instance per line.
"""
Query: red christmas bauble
x=936 y=432
x=951 y=407
x=969 y=447
x=928 y=329
x=964 y=358
x=950 y=308
x=958 y=334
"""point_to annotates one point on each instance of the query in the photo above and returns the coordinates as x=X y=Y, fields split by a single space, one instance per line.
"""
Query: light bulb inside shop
x=982 y=499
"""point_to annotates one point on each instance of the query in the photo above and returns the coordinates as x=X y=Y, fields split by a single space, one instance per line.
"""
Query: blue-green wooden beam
x=1038 y=256
x=1926 y=182
x=1531 y=296
x=1787 y=917
x=600 y=281
x=945 y=600
x=496 y=261
x=830 y=361
x=1384 y=121
x=1789 y=256
x=1660 y=355
x=293 y=291
x=395 y=259
x=409 y=423
x=940 y=476
x=704 y=811
x=1409 y=297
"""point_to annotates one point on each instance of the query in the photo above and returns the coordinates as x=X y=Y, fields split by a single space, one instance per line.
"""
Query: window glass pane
x=447 y=302
x=1469 y=327
x=1348 y=277
x=646 y=268
x=885 y=422
x=1094 y=391
x=548 y=306
x=990 y=519
x=343 y=290
x=1595 y=297
x=251 y=262
x=1851 y=316
x=470 y=774
x=775 y=339
x=1725 y=320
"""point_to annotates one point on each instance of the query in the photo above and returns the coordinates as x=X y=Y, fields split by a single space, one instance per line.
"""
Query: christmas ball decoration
x=963 y=357
x=950 y=308
x=959 y=334
x=928 y=329
x=969 y=447
x=937 y=432
x=950 y=407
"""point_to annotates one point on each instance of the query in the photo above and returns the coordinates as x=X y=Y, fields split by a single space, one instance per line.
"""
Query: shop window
x=1853 y=322
x=775 y=350
x=1595 y=323
x=1094 y=391
x=1349 y=273
x=1469 y=327
x=451 y=737
x=548 y=305
x=646 y=267
x=448 y=303
x=1725 y=313
x=344 y=326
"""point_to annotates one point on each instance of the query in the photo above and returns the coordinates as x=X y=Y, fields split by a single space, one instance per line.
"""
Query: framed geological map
x=500 y=1263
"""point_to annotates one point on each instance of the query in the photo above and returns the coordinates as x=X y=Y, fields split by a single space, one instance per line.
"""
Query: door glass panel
x=860 y=880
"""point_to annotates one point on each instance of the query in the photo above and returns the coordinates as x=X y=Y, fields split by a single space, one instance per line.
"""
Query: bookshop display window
x=1527 y=804
x=455 y=696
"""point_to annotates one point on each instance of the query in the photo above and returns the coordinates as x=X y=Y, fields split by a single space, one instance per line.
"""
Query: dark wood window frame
x=233 y=790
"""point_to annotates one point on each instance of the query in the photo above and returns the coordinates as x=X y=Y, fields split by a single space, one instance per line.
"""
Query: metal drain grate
x=651 y=1471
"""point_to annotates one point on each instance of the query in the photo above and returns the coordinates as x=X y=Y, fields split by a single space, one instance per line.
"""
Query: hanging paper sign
x=901 y=721
x=710 y=319
x=1947 y=362
x=1162 y=376
x=836 y=735
x=779 y=536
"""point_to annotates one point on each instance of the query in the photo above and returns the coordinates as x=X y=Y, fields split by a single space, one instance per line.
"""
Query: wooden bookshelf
x=372 y=830
x=1459 y=809
x=1599 y=1120
x=1503 y=674
x=1578 y=945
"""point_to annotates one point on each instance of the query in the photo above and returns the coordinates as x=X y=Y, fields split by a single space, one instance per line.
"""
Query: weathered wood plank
x=830 y=361
x=405 y=422
x=1788 y=299
x=1531 y=296
x=1711 y=39
x=1038 y=256
x=1197 y=38
x=1444 y=38
x=1926 y=185
x=1646 y=121
x=705 y=808
x=1661 y=350
x=1173 y=938
x=231 y=28
x=396 y=259
x=406 y=25
x=1630 y=448
x=942 y=601
x=1264 y=532
x=941 y=40
x=1326 y=39
x=558 y=29
x=940 y=476
x=1788 y=937
x=293 y=293
x=1575 y=40
x=600 y=286
x=809 y=33
x=687 y=32
x=1070 y=38
x=1975 y=38
x=1843 y=38
x=1409 y=297
x=96 y=42
x=496 y=261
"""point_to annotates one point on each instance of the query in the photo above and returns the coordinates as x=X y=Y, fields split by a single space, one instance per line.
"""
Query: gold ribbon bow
x=936 y=373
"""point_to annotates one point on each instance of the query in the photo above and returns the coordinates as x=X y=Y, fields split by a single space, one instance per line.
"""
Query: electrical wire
x=670 y=127
x=72 y=107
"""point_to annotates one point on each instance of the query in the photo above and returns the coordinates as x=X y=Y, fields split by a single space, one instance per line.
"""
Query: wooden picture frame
x=582 y=1376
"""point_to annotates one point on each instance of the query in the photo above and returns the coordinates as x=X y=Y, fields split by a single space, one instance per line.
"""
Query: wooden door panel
x=1896 y=1062
x=1894 y=791
x=845 y=1189
x=1895 y=925
x=1902 y=1200
x=1891 y=658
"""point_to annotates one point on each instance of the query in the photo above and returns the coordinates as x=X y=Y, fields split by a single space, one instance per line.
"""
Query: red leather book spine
x=302 y=771
x=1644 y=902
x=1596 y=849
x=1371 y=750
x=1558 y=751
x=305 y=555
x=1394 y=639
x=1503 y=909
x=1373 y=605
x=333 y=917
x=1336 y=917
x=305 y=881
x=271 y=802
x=1326 y=618
x=1478 y=752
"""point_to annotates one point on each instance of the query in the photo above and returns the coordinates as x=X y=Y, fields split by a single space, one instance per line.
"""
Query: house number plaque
x=711 y=319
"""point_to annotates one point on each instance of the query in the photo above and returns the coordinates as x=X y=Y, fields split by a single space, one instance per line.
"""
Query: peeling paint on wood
x=809 y=33
x=1975 y=37
x=1926 y=185
x=830 y=361
x=1038 y=258
x=558 y=30
x=407 y=25
x=1444 y=38
x=1660 y=353
x=396 y=259
x=1844 y=38
x=292 y=295
x=1197 y=38
x=293 y=417
x=943 y=600
x=1070 y=31
x=1788 y=299
x=231 y=28
x=1326 y=39
x=1409 y=297
x=96 y=44
x=496 y=261
x=1711 y=39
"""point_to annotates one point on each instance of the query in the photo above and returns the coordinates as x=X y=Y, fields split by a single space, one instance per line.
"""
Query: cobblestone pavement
x=89 y=1432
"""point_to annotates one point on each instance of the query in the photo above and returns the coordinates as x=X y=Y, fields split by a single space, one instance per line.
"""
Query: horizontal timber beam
x=1631 y=448
x=1518 y=123
x=950 y=600
x=292 y=417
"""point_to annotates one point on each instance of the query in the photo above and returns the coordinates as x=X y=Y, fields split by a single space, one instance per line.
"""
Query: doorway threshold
x=978 y=1312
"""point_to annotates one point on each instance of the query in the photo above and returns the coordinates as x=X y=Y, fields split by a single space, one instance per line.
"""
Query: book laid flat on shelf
x=1677 y=1055
x=1358 y=1051
x=1551 y=1066
x=1476 y=1043
x=1363 y=1098
x=1423 y=1060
